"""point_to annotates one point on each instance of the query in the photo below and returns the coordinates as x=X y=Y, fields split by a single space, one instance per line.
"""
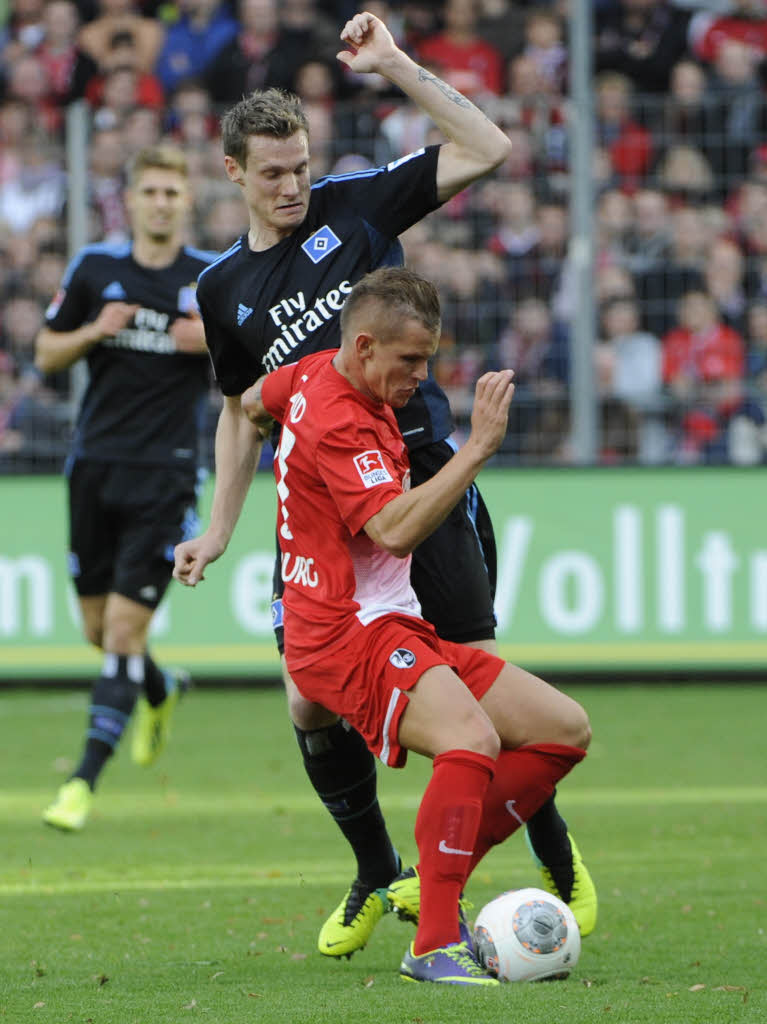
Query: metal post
x=77 y=213
x=583 y=327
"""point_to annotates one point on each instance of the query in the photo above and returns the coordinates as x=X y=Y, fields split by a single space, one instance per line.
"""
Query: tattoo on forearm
x=444 y=88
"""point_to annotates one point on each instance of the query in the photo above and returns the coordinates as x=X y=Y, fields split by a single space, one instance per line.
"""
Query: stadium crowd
x=680 y=360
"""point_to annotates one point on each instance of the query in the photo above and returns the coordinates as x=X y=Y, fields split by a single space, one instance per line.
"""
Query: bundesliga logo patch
x=371 y=468
x=321 y=244
x=402 y=658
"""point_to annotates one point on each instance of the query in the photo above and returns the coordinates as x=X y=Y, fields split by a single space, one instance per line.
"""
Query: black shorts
x=453 y=571
x=124 y=522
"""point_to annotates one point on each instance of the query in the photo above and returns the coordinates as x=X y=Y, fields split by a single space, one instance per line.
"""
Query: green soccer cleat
x=151 y=730
x=454 y=964
x=580 y=894
x=69 y=811
x=352 y=922
x=404 y=895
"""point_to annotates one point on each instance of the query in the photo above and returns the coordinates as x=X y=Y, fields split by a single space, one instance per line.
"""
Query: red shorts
x=366 y=681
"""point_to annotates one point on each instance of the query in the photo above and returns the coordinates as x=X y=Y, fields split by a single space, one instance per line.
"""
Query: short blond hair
x=163 y=155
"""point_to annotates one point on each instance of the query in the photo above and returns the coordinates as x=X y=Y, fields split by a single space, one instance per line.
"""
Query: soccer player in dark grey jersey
x=274 y=297
x=130 y=310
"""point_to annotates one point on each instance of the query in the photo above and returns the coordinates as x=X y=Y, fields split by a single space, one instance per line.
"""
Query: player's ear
x=364 y=344
x=234 y=171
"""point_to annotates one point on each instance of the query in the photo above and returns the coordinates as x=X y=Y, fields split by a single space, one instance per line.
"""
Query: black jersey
x=143 y=400
x=263 y=309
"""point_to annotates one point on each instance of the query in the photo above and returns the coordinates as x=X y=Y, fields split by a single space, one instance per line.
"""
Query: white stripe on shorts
x=385 y=747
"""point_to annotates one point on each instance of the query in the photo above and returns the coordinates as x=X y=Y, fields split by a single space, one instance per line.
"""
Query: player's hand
x=490 y=416
x=191 y=558
x=113 y=317
x=188 y=334
x=371 y=44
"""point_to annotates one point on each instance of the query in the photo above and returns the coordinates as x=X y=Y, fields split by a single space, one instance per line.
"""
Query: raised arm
x=476 y=146
x=238 y=448
x=409 y=518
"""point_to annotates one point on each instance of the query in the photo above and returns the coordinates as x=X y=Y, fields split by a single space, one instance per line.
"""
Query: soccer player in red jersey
x=355 y=641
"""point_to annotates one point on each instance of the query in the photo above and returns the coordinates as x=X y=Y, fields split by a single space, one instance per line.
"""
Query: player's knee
x=578 y=727
x=306 y=715
x=478 y=734
x=94 y=634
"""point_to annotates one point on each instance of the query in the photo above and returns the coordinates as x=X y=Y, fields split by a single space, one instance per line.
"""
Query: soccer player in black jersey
x=130 y=310
x=273 y=297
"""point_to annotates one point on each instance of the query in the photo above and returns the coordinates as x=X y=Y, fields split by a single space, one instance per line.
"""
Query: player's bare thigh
x=526 y=709
x=304 y=713
x=441 y=714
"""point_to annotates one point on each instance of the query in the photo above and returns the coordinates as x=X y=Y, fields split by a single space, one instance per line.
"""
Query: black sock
x=343 y=773
x=112 y=701
x=547 y=831
x=154 y=682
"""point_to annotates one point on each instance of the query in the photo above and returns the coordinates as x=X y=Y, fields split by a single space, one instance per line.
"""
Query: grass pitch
x=199 y=885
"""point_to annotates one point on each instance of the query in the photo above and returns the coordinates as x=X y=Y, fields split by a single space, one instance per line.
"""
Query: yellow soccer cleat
x=582 y=895
x=352 y=922
x=404 y=894
x=69 y=811
x=152 y=728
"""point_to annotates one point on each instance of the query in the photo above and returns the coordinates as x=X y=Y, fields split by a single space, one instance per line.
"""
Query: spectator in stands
x=517 y=232
x=190 y=115
x=724 y=280
x=68 y=69
x=141 y=128
x=627 y=142
x=703 y=369
x=661 y=286
x=123 y=16
x=648 y=241
x=628 y=369
x=24 y=30
x=545 y=47
x=30 y=422
x=106 y=165
x=502 y=23
x=738 y=113
x=684 y=173
x=538 y=351
x=744 y=21
x=614 y=221
x=252 y=59
x=194 y=41
x=225 y=220
x=643 y=39
x=120 y=85
x=681 y=116
x=27 y=81
x=460 y=56
x=36 y=189
x=22 y=319
x=756 y=353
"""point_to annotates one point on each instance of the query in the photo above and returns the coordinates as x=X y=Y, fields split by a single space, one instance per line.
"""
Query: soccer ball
x=527 y=935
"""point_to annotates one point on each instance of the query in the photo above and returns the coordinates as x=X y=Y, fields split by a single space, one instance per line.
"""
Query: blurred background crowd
x=680 y=172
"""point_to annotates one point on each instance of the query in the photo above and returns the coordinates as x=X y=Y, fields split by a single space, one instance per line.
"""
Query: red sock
x=524 y=780
x=445 y=831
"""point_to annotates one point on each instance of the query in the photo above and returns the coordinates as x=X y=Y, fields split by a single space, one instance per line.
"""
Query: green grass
x=198 y=887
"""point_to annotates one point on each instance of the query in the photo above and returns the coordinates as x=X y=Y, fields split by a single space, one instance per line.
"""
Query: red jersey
x=471 y=68
x=340 y=459
x=712 y=355
x=708 y=32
